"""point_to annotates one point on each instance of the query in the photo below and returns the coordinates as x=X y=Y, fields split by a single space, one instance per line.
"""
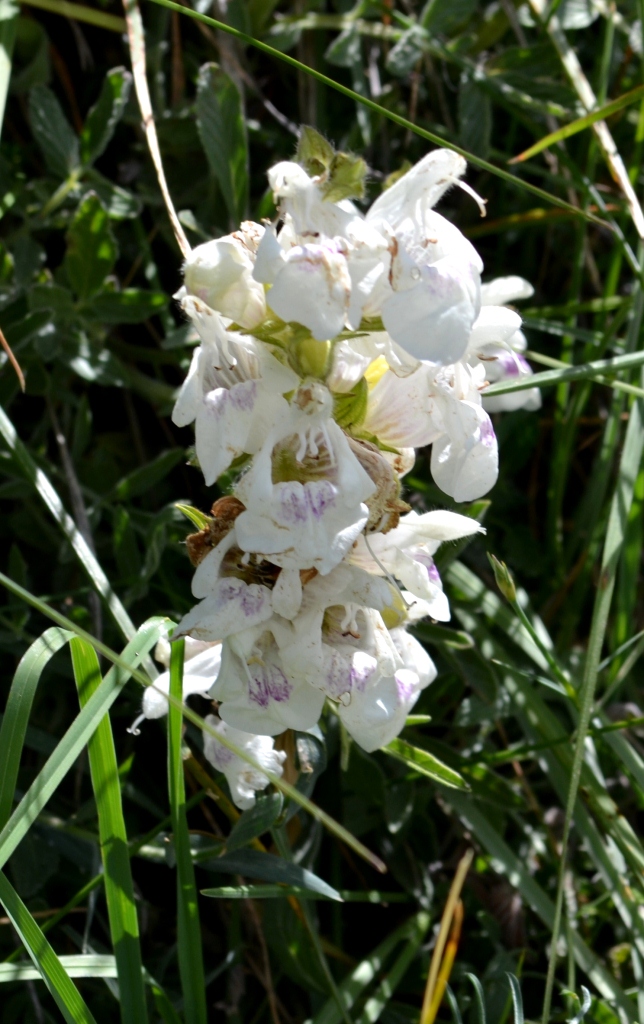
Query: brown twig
x=14 y=362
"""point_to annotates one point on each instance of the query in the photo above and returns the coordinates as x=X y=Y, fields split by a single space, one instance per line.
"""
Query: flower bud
x=503 y=578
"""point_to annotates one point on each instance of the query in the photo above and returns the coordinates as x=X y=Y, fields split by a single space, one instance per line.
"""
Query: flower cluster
x=333 y=343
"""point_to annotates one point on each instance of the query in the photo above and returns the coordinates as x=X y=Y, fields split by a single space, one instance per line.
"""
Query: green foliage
x=527 y=745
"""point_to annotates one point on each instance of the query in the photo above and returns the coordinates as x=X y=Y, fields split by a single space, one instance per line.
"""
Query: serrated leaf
x=255 y=821
x=344 y=50
x=119 y=203
x=130 y=306
x=425 y=764
x=314 y=152
x=53 y=132
x=222 y=129
x=91 y=248
x=105 y=114
x=403 y=57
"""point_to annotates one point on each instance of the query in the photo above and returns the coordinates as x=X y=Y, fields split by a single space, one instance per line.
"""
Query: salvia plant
x=321 y=391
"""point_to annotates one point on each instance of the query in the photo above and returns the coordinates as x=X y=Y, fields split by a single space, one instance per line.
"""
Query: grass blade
x=120 y=661
x=78 y=12
x=76 y=965
x=580 y=124
x=378 y=1001
x=585 y=371
x=18 y=708
x=66 y=995
x=368 y=969
x=189 y=932
x=403 y=122
x=119 y=890
x=76 y=737
x=8 y=24
x=55 y=507
x=424 y=763
x=517 y=999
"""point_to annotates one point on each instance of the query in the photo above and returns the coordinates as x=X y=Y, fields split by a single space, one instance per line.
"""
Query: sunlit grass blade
x=79 y=12
x=119 y=889
x=76 y=737
x=76 y=965
x=403 y=122
x=533 y=894
x=424 y=763
x=580 y=124
x=17 y=710
x=8 y=25
x=120 y=661
x=376 y=1003
x=42 y=484
x=585 y=371
x=66 y=995
x=188 y=928
x=368 y=969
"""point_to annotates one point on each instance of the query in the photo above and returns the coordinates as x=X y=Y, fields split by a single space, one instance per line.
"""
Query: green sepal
x=314 y=152
x=350 y=409
x=346 y=178
x=196 y=517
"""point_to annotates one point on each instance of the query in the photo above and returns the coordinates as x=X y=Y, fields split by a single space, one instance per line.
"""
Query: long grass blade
x=119 y=890
x=79 y=12
x=120 y=661
x=8 y=25
x=42 y=484
x=76 y=737
x=580 y=124
x=189 y=931
x=66 y=995
x=18 y=708
x=403 y=122
x=585 y=371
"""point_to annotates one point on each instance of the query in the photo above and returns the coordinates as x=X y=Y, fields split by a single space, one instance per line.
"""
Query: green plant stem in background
x=621 y=503
x=79 y=12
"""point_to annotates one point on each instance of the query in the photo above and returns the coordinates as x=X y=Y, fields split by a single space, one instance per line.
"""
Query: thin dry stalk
x=136 y=39
x=14 y=362
x=443 y=934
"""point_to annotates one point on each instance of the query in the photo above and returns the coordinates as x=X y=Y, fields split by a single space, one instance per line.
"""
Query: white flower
x=201 y=667
x=310 y=284
x=220 y=273
x=401 y=411
x=501 y=348
x=435 y=272
x=465 y=459
x=244 y=780
x=406 y=553
x=233 y=390
x=376 y=714
x=305 y=491
x=257 y=692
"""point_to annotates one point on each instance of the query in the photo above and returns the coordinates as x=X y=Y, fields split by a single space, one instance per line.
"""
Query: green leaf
x=585 y=371
x=42 y=485
x=255 y=821
x=197 y=518
x=425 y=764
x=222 y=129
x=91 y=248
x=260 y=892
x=480 y=998
x=77 y=736
x=53 y=132
x=444 y=17
x=18 y=708
x=130 y=306
x=139 y=481
x=580 y=124
x=66 y=996
x=104 y=116
x=474 y=117
x=367 y=970
x=76 y=965
x=188 y=930
x=119 y=890
x=118 y=202
x=517 y=1000
x=270 y=868
x=8 y=24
